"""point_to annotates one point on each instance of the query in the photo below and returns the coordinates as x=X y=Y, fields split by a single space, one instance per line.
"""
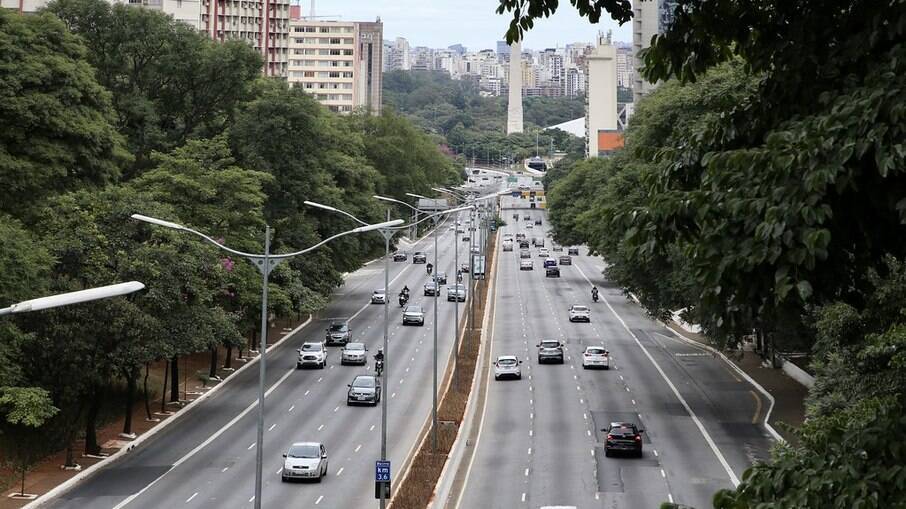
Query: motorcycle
x=594 y=296
x=429 y=267
x=378 y=367
x=403 y=300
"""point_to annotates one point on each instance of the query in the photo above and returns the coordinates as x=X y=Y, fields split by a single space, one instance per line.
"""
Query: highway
x=207 y=457
x=540 y=441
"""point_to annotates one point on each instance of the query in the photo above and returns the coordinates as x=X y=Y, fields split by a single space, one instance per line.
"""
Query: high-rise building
x=649 y=19
x=339 y=63
x=422 y=59
x=601 y=130
x=503 y=51
x=514 y=97
x=625 y=68
x=263 y=23
x=400 y=55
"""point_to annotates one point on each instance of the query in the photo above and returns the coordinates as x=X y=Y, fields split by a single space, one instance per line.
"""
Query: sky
x=472 y=23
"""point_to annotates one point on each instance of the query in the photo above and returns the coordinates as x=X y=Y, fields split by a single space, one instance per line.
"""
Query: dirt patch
x=417 y=487
x=48 y=473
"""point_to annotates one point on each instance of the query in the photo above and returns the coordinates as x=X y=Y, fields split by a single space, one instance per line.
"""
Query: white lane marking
x=319 y=500
x=588 y=432
x=193 y=496
x=670 y=497
x=279 y=470
x=357 y=448
x=393 y=395
x=584 y=416
x=371 y=428
x=250 y=447
x=337 y=408
x=530 y=433
x=225 y=469
x=274 y=425
x=654 y=451
x=621 y=377
x=292 y=408
x=530 y=450
x=592 y=451
x=663 y=474
x=633 y=402
x=531 y=415
x=252 y=499
x=319 y=379
x=320 y=427
x=340 y=472
x=695 y=419
x=526 y=472
x=306 y=393
x=523 y=496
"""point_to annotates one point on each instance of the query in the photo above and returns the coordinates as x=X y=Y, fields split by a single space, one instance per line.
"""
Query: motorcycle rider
x=379 y=361
x=594 y=293
x=429 y=267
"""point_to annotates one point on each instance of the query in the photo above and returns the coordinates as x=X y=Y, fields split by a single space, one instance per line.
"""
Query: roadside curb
x=767 y=416
x=135 y=444
x=444 y=486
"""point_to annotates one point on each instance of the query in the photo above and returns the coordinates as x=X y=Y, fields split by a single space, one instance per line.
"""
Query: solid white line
x=319 y=500
x=193 y=496
x=695 y=419
x=670 y=498
x=663 y=474
x=250 y=447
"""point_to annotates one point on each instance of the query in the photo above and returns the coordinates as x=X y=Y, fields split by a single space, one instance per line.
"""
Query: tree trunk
x=213 y=372
x=174 y=378
x=228 y=364
x=252 y=340
x=71 y=436
x=22 y=491
x=131 y=375
x=145 y=391
x=91 y=437
x=163 y=394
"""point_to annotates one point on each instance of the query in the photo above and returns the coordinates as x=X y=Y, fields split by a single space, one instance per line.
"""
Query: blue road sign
x=381 y=470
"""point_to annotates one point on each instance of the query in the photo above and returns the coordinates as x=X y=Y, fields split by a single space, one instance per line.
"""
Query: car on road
x=507 y=246
x=466 y=238
x=475 y=250
x=623 y=437
x=312 y=354
x=550 y=350
x=379 y=296
x=440 y=278
x=552 y=271
x=338 y=333
x=507 y=236
x=595 y=357
x=430 y=289
x=400 y=257
x=413 y=315
x=523 y=244
x=455 y=292
x=460 y=230
x=556 y=248
x=304 y=460
x=538 y=222
x=464 y=267
x=573 y=251
x=507 y=366
x=520 y=236
x=419 y=257
x=364 y=389
x=529 y=226
x=354 y=353
x=526 y=265
x=566 y=260
x=527 y=218
x=579 y=313
x=543 y=252
x=525 y=253
x=538 y=241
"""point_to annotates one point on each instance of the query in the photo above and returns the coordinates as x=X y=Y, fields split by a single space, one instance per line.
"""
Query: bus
x=536 y=163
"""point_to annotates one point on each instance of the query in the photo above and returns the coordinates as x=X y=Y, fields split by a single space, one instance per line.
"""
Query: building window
x=334 y=74
x=308 y=74
x=336 y=40
x=325 y=30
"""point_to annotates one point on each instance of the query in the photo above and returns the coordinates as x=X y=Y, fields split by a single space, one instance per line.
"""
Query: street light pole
x=265 y=263
x=388 y=234
x=66 y=299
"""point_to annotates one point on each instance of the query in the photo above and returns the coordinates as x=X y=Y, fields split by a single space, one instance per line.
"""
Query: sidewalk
x=47 y=474
x=789 y=395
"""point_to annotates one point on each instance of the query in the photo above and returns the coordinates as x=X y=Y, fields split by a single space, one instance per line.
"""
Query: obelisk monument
x=514 y=103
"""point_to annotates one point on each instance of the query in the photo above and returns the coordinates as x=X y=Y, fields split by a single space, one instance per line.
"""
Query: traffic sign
x=381 y=470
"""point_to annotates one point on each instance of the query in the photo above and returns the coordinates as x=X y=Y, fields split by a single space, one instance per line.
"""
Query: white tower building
x=514 y=104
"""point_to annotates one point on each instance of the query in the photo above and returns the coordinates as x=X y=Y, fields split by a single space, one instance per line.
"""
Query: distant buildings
x=602 y=134
x=339 y=63
x=649 y=19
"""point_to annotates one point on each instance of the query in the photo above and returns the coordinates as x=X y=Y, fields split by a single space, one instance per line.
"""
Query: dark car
x=537 y=221
x=552 y=272
x=430 y=289
x=338 y=333
x=520 y=236
x=523 y=244
x=550 y=350
x=566 y=260
x=364 y=389
x=623 y=437
x=440 y=278
x=573 y=251
x=419 y=257
x=466 y=238
x=527 y=218
x=399 y=257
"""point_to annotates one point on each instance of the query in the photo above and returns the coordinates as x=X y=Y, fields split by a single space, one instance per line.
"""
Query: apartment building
x=339 y=63
x=262 y=23
x=650 y=17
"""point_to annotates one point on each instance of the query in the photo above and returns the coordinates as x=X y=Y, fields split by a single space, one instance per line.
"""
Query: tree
x=58 y=133
x=25 y=410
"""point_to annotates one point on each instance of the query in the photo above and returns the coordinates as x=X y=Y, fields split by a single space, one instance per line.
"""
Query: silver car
x=579 y=313
x=550 y=350
x=431 y=289
x=507 y=366
x=364 y=389
x=413 y=314
x=354 y=353
x=312 y=355
x=379 y=297
x=455 y=292
x=304 y=460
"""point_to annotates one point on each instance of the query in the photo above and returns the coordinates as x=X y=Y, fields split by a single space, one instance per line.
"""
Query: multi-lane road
x=540 y=441
x=207 y=457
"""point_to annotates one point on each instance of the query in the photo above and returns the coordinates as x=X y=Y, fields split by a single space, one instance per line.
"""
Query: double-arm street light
x=265 y=263
x=65 y=299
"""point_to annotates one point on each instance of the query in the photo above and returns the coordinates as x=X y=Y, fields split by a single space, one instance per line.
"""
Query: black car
x=623 y=437
x=566 y=260
x=338 y=333
x=537 y=221
x=364 y=389
x=430 y=289
x=573 y=251
x=466 y=239
x=523 y=244
x=399 y=257
x=419 y=257
x=552 y=272
x=440 y=278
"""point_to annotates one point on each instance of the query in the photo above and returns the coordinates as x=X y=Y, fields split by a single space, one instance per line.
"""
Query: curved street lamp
x=265 y=262
x=66 y=299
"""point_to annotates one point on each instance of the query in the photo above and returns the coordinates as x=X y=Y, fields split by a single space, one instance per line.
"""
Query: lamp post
x=388 y=233
x=265 y=263
x=66 y=299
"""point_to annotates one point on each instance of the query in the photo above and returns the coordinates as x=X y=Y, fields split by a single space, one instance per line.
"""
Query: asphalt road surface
x=207 y=458
x=541 y=442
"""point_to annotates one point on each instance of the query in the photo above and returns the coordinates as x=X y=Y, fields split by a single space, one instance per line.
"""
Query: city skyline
x=418 y=23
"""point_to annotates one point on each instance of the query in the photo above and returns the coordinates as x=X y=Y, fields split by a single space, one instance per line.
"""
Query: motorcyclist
x=594 y=293
x=429 y=267
x=404 y=298
x=459 y=277
x=379 y=361
x=405 y=291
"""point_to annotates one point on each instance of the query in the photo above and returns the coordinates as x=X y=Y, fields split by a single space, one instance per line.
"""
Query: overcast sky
x=473 y=23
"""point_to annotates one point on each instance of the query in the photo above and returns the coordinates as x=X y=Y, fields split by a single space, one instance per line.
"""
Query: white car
x=544 y=253
x=312 y=355
x=304 y=460
x=526 y=265
x=595 y=357
x=579 y=313
x=507 y=366
x=529 y=226
x=379 y=297
x=456 y=292
x=507 y=246
x=354 y=353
